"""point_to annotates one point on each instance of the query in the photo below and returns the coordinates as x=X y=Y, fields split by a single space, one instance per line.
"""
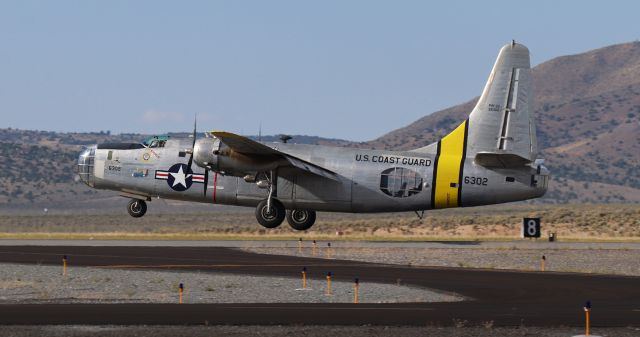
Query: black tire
x=273 y=218
x=137 y=208
x=301 y=219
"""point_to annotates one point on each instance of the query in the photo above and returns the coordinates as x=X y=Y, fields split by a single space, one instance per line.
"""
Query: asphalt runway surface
x=521 y=244
x=506 y=298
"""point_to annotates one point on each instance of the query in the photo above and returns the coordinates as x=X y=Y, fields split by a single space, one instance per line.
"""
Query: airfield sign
x=531 y=228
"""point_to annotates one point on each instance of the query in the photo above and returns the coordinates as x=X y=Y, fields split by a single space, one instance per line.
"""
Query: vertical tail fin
x=501 y=126
x=499 y=132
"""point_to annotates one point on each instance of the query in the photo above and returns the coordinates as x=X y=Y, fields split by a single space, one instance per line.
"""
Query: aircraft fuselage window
x=400 y=182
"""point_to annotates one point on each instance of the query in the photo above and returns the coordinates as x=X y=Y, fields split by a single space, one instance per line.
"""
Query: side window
x=157 y=143
x=400 y=182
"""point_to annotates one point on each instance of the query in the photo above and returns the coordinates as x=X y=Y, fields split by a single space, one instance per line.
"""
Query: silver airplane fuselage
x=490 y=158
x=370 y=180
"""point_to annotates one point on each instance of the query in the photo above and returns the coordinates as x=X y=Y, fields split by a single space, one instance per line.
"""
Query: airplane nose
x=84 y=168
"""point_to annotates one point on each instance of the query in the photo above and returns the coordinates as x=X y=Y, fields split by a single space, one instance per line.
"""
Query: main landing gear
x=301 y=219
x=270 y=217
x=298 y=219
x=271 y=212
x=137 y=208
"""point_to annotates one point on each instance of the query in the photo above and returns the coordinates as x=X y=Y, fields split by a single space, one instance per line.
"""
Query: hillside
x=587 y=109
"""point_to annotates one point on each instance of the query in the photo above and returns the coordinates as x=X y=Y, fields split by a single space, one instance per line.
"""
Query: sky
x=342 y=69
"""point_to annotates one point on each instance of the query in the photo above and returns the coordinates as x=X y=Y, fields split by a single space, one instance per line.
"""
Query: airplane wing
x=244 y=145
x=247 y=146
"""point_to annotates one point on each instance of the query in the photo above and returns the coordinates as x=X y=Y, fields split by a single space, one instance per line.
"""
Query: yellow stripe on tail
x=447 y=173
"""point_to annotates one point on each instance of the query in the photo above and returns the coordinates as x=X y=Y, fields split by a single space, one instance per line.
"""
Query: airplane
x=490 y=158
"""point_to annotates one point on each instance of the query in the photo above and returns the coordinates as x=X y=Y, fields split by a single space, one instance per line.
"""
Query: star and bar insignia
x=179 y=177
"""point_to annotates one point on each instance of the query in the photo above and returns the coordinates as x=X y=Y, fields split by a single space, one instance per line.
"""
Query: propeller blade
x=193 y=145
x=206 y=182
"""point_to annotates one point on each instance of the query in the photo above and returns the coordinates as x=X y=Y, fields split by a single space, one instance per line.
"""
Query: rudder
x=501 y=126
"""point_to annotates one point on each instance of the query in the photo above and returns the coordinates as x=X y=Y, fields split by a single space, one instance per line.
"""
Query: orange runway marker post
x=328 y=250
x=304 y=277
x=300 y=246
x=181 y=289
x=304 y=280
x=328 y=284
x=587 y=312
x=542 y=261
x=315 y=246
x=64 y=265
x=356 y=290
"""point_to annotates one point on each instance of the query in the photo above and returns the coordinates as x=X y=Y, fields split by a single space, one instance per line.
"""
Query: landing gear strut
x=137 y=208
x=301 y=219
x=270 y=212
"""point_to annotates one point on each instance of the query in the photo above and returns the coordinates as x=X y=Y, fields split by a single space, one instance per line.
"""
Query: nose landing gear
x=137 y=208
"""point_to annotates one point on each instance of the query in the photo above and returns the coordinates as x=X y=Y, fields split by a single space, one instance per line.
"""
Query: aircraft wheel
x=137 y=208
x=301 y=219
x=270 y=218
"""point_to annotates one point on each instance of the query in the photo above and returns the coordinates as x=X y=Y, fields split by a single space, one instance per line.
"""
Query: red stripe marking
x=215 y=186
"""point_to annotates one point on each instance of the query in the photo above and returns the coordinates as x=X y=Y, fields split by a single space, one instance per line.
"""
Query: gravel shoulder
x=580 y=258
x=46 y=284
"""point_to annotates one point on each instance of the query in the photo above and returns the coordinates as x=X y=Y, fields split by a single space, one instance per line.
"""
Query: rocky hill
x=587 y=109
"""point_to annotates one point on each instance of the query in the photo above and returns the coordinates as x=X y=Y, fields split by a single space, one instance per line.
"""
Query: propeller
x=193 y=145
x=190 y=163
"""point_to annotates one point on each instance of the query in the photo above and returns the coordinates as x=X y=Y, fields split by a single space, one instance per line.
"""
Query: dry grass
x=570 y=222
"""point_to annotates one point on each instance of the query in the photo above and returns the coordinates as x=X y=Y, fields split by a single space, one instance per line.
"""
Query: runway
x=507 y=298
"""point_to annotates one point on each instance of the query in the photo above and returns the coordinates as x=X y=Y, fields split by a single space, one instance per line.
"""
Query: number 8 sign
x=531 y=228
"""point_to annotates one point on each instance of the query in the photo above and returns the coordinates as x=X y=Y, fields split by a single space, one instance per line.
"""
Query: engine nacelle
x=212 y=154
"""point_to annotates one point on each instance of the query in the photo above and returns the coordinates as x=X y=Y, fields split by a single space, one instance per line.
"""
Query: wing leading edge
x=250 y=147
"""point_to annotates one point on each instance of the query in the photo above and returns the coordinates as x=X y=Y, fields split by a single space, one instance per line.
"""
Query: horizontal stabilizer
x=502 y=160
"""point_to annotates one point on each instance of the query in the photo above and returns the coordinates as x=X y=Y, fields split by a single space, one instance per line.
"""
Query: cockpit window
x=156 y=141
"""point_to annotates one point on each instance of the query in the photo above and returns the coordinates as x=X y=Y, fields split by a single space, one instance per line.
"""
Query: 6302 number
x=476 y=181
